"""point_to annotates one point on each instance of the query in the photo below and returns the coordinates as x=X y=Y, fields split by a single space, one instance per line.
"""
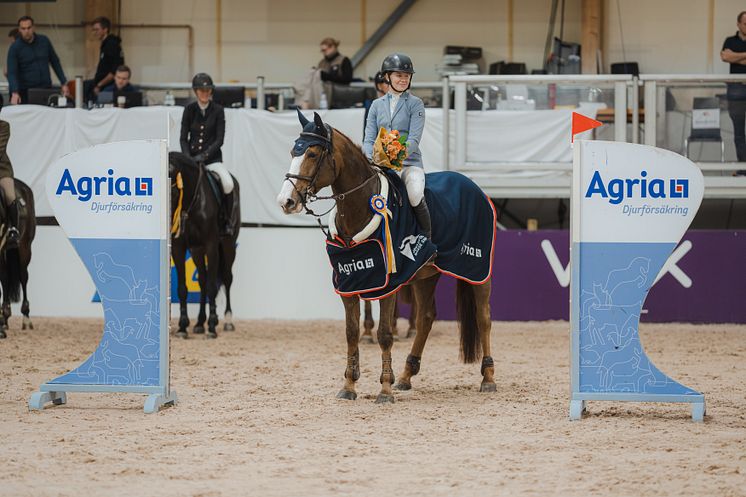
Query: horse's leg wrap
x=487 y=362
x=386 y=369
x=352 y=371
x=414 y=364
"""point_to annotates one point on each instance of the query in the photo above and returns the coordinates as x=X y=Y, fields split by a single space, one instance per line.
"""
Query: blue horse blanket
x=463 y=220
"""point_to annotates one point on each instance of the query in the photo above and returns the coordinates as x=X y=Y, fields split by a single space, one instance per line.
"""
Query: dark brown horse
x=194 y=212
x=335 y=161
x=14 y=261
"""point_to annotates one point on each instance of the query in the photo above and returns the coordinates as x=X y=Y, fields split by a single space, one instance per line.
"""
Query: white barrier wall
x=280 y=273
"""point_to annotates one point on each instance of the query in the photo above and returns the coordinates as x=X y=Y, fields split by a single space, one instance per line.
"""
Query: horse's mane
x=181 y=160
x=347 y=141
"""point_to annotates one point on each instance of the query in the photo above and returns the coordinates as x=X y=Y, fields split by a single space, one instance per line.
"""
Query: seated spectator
x=333 y=68
x=29 y=58
x=110 y=58
x=121 y=81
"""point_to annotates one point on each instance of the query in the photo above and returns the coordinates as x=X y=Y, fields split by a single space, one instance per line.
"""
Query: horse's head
x=312 y=166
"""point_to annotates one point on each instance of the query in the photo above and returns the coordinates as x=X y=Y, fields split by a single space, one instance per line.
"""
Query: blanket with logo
x=463 y=221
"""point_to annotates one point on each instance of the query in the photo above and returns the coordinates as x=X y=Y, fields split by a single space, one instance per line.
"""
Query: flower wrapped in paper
x=390 y=149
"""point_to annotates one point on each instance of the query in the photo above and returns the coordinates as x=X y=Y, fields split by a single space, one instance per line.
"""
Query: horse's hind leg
x=386 y=342
x=484 y=321
x=423 y=293
x=368 y=324
x=229 y=255
x=352 y=330
x=3 y=325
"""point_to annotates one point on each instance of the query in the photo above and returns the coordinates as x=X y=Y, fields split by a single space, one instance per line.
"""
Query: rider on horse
x=401 y=110
x=8 y=184
x=202 y=134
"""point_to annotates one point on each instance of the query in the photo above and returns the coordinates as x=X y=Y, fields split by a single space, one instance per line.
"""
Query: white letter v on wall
x=562 y=273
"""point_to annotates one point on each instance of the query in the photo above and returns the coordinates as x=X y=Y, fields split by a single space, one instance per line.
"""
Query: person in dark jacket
x=333 y=69
x=202 y=134
x=7 y=183
x=110 y=58
x=29 y=58
x=734 y=53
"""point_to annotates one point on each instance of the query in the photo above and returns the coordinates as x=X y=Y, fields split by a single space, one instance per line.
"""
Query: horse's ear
x=317 y=120
x=302 y=118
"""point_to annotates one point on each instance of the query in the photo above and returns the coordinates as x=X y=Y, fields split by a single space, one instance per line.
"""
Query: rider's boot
x=226 y=214
x=14 y=235
x=422 y=213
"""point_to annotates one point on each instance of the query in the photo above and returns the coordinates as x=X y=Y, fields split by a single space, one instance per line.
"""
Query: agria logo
x=87 y=187
x=618 y=189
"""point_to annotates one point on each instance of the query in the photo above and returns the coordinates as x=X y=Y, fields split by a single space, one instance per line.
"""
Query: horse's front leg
x=212 y=291
x=198 y=256
x=423 y=306
x=352 y=330
x=178 y=253
x=386 y=342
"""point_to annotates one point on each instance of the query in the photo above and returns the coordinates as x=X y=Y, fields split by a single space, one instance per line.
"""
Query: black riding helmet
x=202 y=80
x=397 y=62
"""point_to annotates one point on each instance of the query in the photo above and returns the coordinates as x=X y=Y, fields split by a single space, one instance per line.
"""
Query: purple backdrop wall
x=526 y=288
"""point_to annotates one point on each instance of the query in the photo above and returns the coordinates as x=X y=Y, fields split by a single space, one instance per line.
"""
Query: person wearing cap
x=7 y=183
x=202 y=135
x=400 y=110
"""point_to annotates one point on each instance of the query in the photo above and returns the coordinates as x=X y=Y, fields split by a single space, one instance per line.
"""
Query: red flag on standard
x=582 y=123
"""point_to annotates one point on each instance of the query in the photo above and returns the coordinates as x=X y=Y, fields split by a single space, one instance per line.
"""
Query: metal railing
x=459 y=83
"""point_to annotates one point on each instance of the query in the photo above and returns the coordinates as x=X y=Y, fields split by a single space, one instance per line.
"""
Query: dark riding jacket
x=202 y=134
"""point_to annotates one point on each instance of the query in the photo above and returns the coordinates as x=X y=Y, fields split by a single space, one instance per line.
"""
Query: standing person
x=382 y=88
x=7 y=183
x=734 y=53
x=12 y=37
x=29 y=58
x=333 y=68
x=401 y=110
x=202 y=134
x=110 y=58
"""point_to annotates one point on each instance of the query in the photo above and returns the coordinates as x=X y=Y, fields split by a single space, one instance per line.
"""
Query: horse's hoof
x=2 y=334
x=198 y=330
x=211 y=334
x=182 y=334
x=366 y=339
x=229 y=327
x=488 y=387
x=346 y=395
x=403 y=386
x=384 y=398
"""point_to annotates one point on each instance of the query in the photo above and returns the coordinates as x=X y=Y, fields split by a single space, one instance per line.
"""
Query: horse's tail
x=466 y=308
x=13 y=271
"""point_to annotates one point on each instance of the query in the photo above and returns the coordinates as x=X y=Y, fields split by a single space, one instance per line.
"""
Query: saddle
x=214 y=181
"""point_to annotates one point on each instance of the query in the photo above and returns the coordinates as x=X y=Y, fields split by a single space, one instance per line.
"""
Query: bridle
x=308 y=195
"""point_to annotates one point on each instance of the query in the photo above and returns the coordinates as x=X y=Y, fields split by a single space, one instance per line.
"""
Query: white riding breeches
x=414 y=178
x=226 y=180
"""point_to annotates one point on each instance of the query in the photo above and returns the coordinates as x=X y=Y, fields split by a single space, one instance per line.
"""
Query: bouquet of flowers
x=390 y=149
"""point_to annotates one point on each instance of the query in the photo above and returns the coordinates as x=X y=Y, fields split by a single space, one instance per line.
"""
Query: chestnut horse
x=324 y=157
